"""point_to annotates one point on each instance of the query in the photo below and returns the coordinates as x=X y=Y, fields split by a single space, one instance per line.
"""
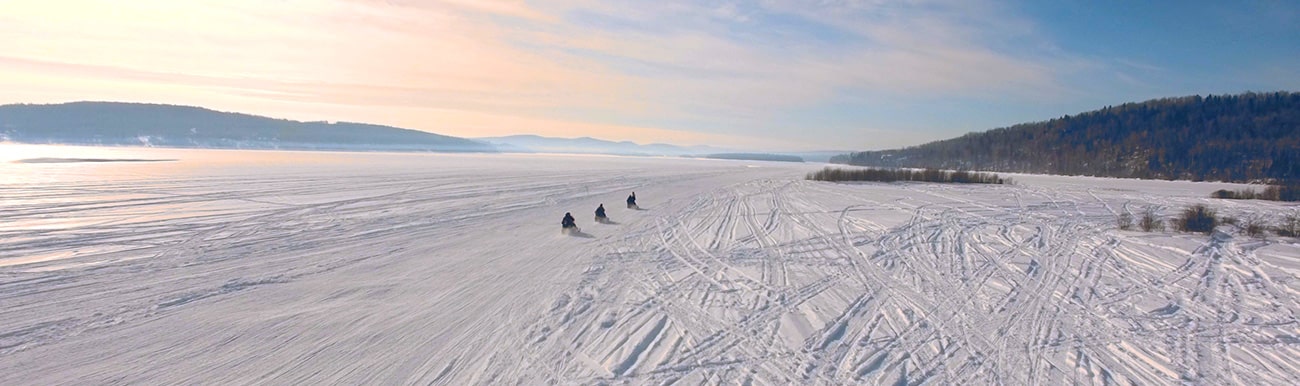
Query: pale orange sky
x=439 y=66
x=769 y=74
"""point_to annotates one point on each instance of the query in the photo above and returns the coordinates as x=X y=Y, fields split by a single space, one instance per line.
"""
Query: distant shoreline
x=80 y=160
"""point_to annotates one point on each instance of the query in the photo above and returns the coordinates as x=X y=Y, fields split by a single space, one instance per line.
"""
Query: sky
x=761 y=75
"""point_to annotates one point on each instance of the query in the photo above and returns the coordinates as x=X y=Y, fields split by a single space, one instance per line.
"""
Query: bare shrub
x=1254 y=227
x=1290 y=226
x=1197 y=218
x=892 y=175
x=1150 y=221
x=1270 y=192
x=1125 y=221
x=1223 y=193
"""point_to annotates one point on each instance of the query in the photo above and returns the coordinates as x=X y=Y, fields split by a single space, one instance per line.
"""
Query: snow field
x=451 y=270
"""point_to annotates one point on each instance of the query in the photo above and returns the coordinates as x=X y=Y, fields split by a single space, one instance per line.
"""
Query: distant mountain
x=1247 y=137
x=113 y=123
x=588 y=145
x=817 y=156
x=755 y=157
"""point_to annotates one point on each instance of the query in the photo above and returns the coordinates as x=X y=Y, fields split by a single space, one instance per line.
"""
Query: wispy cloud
x=616 y=69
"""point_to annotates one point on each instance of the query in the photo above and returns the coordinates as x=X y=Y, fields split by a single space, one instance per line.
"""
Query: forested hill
x=112 y=123
x=1247 y=137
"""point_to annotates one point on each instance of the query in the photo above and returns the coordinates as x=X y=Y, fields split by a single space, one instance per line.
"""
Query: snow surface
x=331 y=268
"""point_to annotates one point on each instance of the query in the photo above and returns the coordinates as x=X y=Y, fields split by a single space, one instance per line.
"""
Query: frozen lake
x=167 y=266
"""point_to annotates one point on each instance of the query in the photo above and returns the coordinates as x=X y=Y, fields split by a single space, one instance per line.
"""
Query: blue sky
x=763 y=75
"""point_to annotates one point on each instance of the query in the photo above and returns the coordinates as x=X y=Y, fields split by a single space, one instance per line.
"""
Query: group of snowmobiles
x=568 y=225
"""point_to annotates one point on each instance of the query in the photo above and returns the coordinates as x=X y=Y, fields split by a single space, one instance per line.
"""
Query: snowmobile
x=631 y=201
x=600 y=215
x=567 y=226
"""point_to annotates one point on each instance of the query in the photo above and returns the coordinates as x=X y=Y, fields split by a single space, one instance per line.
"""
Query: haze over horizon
x=764 y=75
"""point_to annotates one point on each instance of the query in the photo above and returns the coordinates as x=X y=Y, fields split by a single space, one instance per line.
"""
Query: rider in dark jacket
x=568 y=221
x=631 y=200
x=600 y=211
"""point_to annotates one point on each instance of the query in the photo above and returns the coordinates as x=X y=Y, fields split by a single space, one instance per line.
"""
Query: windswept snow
x=378 y=268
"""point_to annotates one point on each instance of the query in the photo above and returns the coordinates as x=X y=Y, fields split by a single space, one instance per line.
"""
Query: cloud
x=737 y=75
x=613 y=69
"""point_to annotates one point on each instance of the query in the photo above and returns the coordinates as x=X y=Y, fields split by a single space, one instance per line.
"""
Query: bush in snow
x=1150 y=221
x=1125 y=221
x=1244 y=194
x=1197 y=218
x=1254 y=227
x=1290 y=226
x=892 y=175
x=1271 y=192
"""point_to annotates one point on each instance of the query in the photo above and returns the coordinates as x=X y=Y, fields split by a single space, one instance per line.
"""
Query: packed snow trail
x=449 y=270
x=781 y=281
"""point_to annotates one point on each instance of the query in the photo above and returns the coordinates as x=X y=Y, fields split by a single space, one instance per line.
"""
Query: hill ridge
x=156 y=124
x=1242 y=137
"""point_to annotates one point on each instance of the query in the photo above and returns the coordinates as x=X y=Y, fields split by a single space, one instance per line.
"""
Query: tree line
x=911 y=175
x=1249 y=137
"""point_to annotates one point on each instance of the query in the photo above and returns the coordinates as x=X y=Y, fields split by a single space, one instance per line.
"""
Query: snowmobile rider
x=568 y=221
x=631 y=200
x=600 y=212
